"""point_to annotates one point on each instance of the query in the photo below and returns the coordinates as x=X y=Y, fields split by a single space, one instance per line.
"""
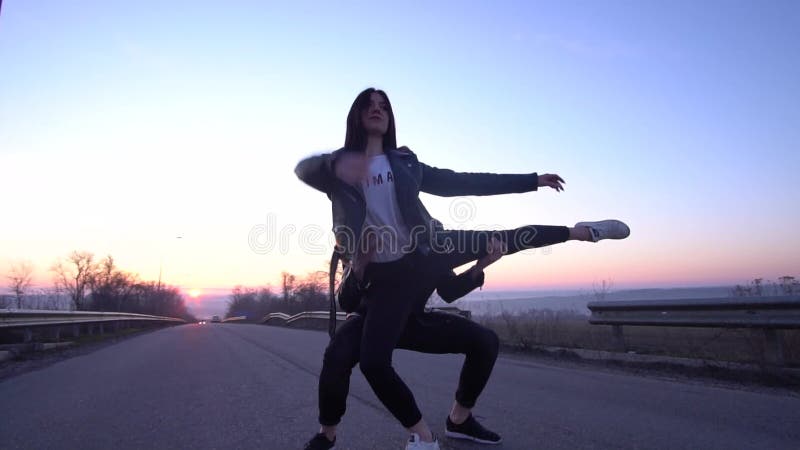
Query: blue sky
x=128 y=123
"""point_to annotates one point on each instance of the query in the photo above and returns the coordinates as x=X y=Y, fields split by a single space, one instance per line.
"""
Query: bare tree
x=20 y=279
x=311 y=292
x=788 y=284
x=110 y=287
x=74 y=276
x=151 y=298
x=288 y=286
x=602 y=289
x=758 y=288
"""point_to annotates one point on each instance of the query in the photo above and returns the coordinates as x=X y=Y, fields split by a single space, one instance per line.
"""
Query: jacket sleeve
x=447 y=183
x=317 y=172
x=452 y=287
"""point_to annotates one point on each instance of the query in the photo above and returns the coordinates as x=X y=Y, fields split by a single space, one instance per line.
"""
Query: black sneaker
x=471 y=430
x=320 y=442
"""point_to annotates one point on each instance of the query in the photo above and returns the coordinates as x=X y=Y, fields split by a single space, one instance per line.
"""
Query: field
x=571 y=329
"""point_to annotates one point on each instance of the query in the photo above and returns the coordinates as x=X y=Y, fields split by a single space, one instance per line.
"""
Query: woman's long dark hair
x=356 y=137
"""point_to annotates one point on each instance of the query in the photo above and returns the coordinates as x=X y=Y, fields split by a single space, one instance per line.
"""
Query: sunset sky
x=125 y=125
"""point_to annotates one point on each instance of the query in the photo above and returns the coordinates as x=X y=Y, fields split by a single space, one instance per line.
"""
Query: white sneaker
x=414 y=443
x=606 y=229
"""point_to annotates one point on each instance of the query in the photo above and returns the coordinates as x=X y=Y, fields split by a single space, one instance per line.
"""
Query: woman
x=374 y=191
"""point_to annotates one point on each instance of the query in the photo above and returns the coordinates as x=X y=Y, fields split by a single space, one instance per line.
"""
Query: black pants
x=397 y=293
x=454 y=248
x=431 y=332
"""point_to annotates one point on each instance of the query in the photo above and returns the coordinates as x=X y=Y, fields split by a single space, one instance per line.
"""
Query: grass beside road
x=570 y=329
x=86 y=338
x=27 y=361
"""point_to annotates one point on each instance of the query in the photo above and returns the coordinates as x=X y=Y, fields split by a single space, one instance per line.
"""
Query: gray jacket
x=410 y=178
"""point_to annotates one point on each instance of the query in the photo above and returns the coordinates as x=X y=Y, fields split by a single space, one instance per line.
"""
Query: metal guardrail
x=751 y=312
x=33 y=317
x=29 y=319
x=235 y=319
x=465 y=313
x=287 y=319
x=341 y=316
x=767 y=313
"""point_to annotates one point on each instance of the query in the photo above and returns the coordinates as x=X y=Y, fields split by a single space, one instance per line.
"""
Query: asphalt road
x=222 y=386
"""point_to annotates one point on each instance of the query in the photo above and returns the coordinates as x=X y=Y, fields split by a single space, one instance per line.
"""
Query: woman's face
x=375 y=117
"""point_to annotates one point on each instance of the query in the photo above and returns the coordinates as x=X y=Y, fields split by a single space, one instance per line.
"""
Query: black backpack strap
x=332 y=293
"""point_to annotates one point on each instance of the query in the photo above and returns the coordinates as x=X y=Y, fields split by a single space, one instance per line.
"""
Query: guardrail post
x=618 y=338
x=101 y=328
x=76 y=331
x=57 y=334
x=27 y=335
x=773 y=351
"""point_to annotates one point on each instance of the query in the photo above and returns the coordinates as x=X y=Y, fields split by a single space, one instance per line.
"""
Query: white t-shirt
x=384 y=222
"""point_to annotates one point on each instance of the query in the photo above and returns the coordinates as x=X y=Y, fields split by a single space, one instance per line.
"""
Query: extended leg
x=458 y=247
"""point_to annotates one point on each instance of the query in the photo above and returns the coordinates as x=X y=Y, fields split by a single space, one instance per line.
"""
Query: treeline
x=786 y=285
x=90 y=285
x=293 y=296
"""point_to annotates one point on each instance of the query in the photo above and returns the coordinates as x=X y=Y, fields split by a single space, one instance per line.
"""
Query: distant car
x=215 y=319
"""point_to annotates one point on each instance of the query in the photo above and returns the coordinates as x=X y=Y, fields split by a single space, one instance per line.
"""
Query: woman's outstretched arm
x=448 y=183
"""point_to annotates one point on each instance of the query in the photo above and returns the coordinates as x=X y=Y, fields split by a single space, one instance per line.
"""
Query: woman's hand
x=351 y=167
x=551 y=180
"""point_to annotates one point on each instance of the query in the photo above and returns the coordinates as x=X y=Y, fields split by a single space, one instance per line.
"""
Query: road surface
x=219 y=386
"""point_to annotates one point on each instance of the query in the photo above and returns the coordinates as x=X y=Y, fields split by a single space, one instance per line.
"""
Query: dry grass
x=572 y=330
